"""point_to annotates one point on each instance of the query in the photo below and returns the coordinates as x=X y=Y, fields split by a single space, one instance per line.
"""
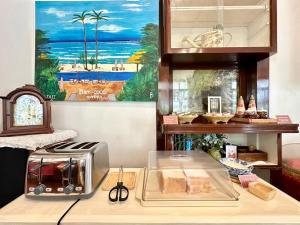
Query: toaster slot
x=66 y=145
x=57 y=145
x=90 y=145
x=80 y=145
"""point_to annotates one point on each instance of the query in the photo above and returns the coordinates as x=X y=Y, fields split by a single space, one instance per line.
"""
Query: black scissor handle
x=122 y=190
x=113 y=198
x=119 y=189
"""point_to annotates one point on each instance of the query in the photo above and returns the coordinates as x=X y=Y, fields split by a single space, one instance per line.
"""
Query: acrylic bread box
x=175 y=178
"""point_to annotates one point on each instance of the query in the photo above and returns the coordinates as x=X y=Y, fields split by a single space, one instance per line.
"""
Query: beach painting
x=103 y=51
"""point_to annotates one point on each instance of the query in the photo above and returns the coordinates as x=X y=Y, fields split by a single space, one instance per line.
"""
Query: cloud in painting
x=56 y=12
x=112 y=28
x=115 y=18
x=133 y=7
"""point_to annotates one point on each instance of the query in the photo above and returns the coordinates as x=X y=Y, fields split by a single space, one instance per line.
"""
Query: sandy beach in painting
x=89 y=91
x=96 y=89
x=101 y=68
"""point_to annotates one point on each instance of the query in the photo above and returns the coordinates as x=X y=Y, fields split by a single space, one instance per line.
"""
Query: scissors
x=120 y=192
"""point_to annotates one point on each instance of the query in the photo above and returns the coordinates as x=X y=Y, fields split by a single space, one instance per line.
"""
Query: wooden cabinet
x=218 y=30
x=220 y=36
x=250 y=25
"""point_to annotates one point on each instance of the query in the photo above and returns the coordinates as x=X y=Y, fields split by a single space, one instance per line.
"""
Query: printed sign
x=170 y=119
x=283 y=119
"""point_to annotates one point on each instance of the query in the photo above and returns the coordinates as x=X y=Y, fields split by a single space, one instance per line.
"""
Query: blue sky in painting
x=126 y=19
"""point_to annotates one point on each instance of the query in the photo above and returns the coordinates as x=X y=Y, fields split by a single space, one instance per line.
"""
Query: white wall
x=129 y=128
x=285 y=66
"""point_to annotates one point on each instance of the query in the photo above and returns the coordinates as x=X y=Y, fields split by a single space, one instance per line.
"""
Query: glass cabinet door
x=219 y=23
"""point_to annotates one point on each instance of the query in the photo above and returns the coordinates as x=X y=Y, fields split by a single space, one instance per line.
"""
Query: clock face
x=28 y=111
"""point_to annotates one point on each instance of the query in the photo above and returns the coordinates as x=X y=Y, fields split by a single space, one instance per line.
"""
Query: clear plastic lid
x=186 y=176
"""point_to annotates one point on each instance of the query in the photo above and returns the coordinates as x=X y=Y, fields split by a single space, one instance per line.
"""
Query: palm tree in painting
x=98 y=17
x=82 y=19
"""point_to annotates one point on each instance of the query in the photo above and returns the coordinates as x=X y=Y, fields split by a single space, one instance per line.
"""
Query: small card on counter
x=231 y=151
x=246 y=179
x=172 y=119
x=283 y=119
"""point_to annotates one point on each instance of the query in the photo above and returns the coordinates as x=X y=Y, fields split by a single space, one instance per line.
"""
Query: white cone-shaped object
x=252 y=104
x=240 y=109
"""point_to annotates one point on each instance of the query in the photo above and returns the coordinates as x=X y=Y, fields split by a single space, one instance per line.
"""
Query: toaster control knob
x=39 y=189
x=69 y=189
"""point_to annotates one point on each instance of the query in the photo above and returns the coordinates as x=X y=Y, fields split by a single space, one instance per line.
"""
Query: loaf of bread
x=198 y=181
x=192 y=181
x=173 y=181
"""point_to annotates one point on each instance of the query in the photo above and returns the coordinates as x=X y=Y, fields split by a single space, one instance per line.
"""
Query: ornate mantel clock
x=26 y=111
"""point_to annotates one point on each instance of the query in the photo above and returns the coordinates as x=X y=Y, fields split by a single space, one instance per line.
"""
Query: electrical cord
x=61 y=218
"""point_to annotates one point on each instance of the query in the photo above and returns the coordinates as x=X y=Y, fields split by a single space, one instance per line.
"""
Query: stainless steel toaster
x=67 y=169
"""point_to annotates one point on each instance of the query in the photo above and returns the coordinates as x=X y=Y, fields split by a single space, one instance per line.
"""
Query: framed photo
x=214 y=104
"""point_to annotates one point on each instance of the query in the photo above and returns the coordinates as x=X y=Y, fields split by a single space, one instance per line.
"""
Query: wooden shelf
x=216 y=55
x=268 y=166
x=229 y=128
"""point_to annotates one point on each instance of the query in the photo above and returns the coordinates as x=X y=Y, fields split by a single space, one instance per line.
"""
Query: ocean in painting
x=108 y=76
x=110 y=52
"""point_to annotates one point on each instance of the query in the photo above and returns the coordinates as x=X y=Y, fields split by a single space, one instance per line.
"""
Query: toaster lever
x=41 y=187
x=70 y=187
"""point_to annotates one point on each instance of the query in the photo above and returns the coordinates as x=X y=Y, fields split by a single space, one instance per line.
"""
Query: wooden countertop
x=98 y=210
